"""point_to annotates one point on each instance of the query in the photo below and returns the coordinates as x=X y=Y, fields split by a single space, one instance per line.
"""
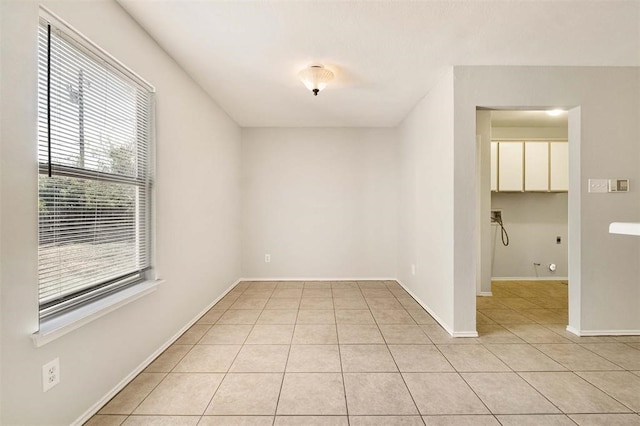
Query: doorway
x=523 y=203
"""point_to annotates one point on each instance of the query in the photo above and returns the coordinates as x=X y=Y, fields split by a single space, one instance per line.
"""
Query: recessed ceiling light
x=555 y=112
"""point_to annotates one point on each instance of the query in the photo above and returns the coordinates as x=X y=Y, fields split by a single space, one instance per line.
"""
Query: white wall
x=198 y=254
x=321 y=202
x=426 y=209
x=533 y=221
x=604 y=292
x=529 y=132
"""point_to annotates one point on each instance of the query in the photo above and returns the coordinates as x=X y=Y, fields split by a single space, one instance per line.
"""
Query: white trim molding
x=58 y=326
x=464 y=334
x=473 y=333
x=319 y=279
x=587 y=333
x=83 y=40
x=547 y=278
x=485 y=294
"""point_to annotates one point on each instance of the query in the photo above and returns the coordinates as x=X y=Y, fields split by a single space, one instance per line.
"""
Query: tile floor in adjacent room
x=365 y=353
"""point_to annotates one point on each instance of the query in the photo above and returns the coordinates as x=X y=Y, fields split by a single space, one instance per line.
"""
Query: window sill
x=57 y=327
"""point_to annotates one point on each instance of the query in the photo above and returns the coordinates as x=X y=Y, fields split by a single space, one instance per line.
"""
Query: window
x=94 y=186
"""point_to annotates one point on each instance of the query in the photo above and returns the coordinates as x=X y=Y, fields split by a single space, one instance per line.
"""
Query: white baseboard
x=124 y=382
x=586 y=333
x=319 y=279
x=573 y=330
x=548 y=278
x=465 y=334
x=485 y=294
x=443 y=324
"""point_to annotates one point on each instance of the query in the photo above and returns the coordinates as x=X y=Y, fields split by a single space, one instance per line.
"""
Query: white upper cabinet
x=510 y=166
x=536 y=166
x=494 y=166
x=559 y=167
x=529 y=166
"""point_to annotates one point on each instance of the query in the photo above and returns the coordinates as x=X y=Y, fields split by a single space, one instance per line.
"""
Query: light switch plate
x=618 y=185
x=598 y=185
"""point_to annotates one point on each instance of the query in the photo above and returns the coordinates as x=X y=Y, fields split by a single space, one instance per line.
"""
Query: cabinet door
x=536 y=166
x=494 y=166
x=559 y=168
x=510 y=166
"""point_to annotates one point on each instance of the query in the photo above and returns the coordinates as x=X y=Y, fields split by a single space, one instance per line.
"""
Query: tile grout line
x=568 y=370
x=224 y=376
x=540 y=392
x=604 y=391
x=344 y=385
x=607 y=359
x=286 y=363
x=392 y=357
x=167 y=374
x=529 y=371
x=171 y=371
x=466 y=383
x=512 y=371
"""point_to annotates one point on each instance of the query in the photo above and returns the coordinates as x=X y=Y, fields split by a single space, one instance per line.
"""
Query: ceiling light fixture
x=555 y=112
x=315 y=78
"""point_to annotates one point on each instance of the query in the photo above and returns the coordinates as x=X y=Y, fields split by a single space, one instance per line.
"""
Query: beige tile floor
x=365 y=353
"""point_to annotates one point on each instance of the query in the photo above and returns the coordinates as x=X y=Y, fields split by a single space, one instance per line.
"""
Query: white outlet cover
x=50 y=374
x=598 y=185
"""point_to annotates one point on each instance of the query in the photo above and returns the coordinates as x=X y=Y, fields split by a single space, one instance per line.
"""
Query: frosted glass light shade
x=315 y=78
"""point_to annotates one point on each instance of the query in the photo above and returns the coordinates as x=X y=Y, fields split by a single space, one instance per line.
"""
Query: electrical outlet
x=598 y=185
x=413 y=269
x=50 y=374
x=267 y=258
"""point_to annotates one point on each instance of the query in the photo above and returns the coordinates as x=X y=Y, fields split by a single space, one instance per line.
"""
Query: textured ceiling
x=386 y=54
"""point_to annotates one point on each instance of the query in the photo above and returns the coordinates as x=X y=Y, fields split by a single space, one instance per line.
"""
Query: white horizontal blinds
x=94 y=139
